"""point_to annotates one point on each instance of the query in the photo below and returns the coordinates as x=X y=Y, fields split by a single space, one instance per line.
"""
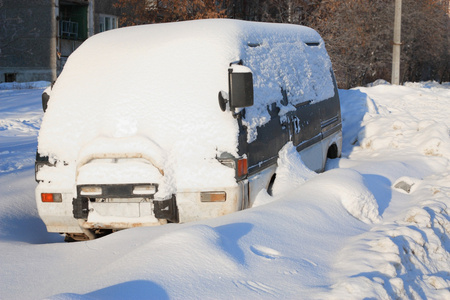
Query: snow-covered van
x=180 y=122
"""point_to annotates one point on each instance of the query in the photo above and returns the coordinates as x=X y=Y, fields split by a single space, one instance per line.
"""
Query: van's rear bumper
x=187 y=206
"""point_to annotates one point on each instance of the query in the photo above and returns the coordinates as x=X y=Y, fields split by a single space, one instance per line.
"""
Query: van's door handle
x=296 y=124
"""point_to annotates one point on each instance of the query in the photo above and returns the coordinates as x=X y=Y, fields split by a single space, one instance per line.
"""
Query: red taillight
x=242 y=167
x=49 y=197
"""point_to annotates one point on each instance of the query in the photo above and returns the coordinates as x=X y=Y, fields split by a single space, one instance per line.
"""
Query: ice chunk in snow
x=406 y=184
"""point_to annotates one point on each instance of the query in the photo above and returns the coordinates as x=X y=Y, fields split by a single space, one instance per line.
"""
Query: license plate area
x=122 y=200
x=117 y=191
x=121 y=209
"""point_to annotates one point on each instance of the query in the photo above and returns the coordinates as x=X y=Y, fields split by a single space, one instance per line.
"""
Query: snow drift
x=303 y=243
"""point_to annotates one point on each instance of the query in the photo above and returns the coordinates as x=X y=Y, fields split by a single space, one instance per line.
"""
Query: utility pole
x=397 y=43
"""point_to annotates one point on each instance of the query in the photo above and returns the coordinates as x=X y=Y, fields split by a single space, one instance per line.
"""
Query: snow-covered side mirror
x=240 y=85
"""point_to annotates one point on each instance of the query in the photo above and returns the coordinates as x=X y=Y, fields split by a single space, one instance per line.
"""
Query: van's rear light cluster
x=51 y=197
x=242 y=168
x=213 y=196
x=240 y=165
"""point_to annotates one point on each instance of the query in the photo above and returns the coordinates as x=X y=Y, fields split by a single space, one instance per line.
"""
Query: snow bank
x=353 y=193
x=404 y=140
x=406 y=258
x=353 y=110
x=385 y=132
x=291 y=171
x=348 y=186
x=20 y=119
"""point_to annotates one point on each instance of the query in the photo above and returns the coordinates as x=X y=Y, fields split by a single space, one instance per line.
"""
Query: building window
x=108 y=22
x=10 y=77
x=69 y=30
x=73 y=22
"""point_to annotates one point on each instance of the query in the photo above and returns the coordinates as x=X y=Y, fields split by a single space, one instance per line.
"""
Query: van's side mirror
x=45 y=99
x=46 y=96
x=241 y=89
x=240 y=85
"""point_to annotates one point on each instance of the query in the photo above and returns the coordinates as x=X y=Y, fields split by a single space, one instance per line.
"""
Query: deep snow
x=348 y=233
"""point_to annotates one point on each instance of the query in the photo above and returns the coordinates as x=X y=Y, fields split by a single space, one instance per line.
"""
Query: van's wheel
x=79 y=237
x=332 y=152
x=75 y=237
x=270 y=186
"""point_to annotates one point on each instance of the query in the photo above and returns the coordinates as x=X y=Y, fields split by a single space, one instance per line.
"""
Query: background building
x=37 y=36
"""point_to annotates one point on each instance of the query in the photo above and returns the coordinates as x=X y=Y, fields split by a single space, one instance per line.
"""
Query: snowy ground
x=348 y=233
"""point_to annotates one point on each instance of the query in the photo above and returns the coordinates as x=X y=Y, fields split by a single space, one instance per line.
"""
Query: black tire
x=270 y=186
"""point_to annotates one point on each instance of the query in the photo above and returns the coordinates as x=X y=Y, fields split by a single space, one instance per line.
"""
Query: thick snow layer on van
x=159 y=84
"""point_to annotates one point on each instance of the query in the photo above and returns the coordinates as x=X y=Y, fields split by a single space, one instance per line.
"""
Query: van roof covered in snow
x=160 y=82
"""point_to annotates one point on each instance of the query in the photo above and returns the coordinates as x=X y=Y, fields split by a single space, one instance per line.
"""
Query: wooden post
x=397 y=43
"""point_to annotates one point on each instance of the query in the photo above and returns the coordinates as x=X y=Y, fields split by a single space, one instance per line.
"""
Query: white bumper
x=59 y=217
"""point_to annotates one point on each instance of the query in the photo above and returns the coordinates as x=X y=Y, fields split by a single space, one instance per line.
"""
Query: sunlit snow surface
x=345 y=234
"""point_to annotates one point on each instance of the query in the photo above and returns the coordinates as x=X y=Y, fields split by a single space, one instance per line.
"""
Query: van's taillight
x=213 y=196
x=242 y=169
x=239 y=165
x=51 y=197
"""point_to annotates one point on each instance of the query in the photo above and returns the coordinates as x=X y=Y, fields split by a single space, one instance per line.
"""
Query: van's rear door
x=306 y=132
x=272 y=136
x=330 y=113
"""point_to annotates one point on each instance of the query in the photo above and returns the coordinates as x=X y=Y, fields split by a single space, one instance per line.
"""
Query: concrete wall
x=30 y=49
x=27 y=43
x=105 y=7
